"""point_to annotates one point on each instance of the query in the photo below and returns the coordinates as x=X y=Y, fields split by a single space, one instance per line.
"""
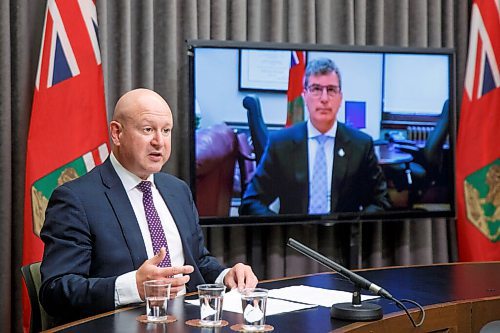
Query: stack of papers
x=232 y=303
x=313 y=295
x=289 y=299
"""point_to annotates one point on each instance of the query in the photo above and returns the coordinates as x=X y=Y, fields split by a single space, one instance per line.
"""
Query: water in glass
x=254 y=310
x=156 y=308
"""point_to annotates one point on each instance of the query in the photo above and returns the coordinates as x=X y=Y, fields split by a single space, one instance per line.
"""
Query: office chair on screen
x=246 y=163
x=258 y=129
x=216 y=154
x=40 y=320
x=426 y=168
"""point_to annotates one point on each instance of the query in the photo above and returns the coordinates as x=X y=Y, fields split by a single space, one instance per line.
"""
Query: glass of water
x=253 y=302
x=157 y=293
x=211 y=299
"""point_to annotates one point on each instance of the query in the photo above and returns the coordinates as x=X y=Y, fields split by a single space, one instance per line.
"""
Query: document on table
x=290 y=299
x=313 y=295
x=232 y=303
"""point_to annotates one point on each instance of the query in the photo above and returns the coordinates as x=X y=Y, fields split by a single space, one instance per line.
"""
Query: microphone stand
x=356 y=310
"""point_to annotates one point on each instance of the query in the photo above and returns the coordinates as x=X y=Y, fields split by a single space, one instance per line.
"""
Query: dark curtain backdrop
x=143 y=45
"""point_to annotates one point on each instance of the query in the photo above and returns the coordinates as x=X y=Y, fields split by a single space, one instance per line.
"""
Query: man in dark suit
x=99 y=245
x=345 y=178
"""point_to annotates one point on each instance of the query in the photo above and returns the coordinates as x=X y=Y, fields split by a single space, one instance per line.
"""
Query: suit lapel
x=340 y=163
x=299 y=153
x=176 y=208
x=124 y=212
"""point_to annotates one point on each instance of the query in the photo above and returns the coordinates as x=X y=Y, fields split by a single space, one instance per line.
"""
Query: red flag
x=478 y=148
x=295 y=108
x=68 y=133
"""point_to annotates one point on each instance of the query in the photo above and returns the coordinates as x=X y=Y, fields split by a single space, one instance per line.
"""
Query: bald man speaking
x=125 y=222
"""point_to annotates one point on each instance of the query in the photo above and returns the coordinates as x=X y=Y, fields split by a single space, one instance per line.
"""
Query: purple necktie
x=154 y=224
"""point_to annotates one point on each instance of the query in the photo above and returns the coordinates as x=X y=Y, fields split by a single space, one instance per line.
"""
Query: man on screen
x=319 y=166
x=126 y=222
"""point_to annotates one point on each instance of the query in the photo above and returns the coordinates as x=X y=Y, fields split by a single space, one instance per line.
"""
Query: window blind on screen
x=408 y=77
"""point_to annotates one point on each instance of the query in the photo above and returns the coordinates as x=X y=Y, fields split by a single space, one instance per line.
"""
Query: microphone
x=355 y=311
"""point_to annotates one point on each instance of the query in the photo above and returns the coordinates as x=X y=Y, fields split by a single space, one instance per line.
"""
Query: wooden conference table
x=459 y=297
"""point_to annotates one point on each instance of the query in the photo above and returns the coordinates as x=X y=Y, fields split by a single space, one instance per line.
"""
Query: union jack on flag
x=478 y=151
x=295 y=106
x=484 y=41
x=68 y=134
x=56 y=47
x=295 y=58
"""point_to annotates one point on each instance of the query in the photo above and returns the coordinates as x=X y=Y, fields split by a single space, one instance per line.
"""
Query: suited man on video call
x=98 y=246
x=345 y=178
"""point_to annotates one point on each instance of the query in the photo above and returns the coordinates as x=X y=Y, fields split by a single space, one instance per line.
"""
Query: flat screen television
x=395 y=95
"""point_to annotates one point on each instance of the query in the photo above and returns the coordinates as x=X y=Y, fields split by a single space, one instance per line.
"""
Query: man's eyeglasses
x=316 y=90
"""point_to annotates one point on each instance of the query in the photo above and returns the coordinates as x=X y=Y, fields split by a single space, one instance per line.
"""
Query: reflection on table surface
x=389 y=154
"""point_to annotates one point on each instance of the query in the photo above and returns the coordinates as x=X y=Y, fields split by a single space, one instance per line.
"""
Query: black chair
x=425 y=170
x=40 y=320
x=246 y=164
x=258 y=129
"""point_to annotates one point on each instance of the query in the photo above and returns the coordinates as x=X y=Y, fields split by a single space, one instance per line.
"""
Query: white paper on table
x=232 y=303
x=313 y=295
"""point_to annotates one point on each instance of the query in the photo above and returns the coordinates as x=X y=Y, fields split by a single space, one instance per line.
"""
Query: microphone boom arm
x=349 y=275
x=356 y=311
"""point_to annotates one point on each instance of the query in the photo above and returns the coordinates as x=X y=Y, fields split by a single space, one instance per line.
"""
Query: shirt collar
x=129 y=180
x=313 y=132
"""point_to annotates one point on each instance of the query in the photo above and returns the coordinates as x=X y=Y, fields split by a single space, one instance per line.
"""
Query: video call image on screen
x=403 y=99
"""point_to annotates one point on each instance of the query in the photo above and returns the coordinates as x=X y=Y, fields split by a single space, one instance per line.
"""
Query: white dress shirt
x=125 y=286
x=312 y=147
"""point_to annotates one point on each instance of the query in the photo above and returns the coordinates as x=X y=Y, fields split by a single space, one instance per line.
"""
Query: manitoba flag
x=295 y=108
x=478 y=148
x=68 y=134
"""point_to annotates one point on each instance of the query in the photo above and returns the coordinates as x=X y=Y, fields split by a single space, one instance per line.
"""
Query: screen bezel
x=288 y=219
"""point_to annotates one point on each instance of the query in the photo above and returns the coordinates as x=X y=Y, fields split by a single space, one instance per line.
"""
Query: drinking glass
x=211 y=299
x=157 y=293
x=253 y=302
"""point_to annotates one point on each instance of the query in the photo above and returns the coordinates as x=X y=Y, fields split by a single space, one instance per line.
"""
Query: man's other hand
x=240 y=276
